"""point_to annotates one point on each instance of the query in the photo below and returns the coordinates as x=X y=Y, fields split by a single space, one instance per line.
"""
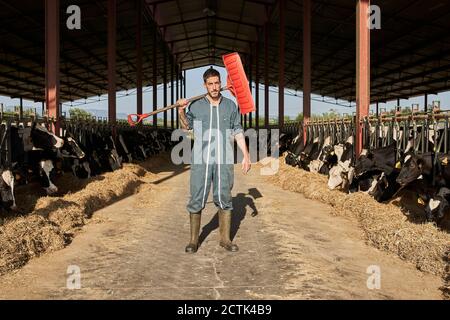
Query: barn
x=105 y=198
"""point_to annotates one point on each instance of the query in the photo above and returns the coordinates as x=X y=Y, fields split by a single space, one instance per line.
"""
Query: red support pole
x=184 y=83
x=266 y=75
x=112 y=19
x=172 y=101
x=362 y=68
x=257 y=86
x=21 y=108
x=282 y=7
x=155 y=78
x=250 y=115
x=246 y=70
x=52 y=61
x=165 y=87
x=177 y=77
x=139 y=109
x=306 y=65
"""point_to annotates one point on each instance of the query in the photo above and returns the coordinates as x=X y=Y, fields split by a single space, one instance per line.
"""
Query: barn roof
x=410 y=54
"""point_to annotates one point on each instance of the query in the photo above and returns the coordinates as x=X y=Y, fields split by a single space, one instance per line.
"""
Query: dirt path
x=292 y=249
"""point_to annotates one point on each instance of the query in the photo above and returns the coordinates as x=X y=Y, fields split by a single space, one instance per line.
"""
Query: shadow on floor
x=240 y=203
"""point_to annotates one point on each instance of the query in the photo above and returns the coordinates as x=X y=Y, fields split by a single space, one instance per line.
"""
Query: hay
x=26 y=237
x=384 y=225
x=50 y=223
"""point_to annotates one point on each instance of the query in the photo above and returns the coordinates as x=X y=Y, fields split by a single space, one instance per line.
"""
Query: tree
x=79 y=113
x=299 y=117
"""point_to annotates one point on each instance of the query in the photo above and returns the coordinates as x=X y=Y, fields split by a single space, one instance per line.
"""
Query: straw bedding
x=49 y=223
x=386 y=226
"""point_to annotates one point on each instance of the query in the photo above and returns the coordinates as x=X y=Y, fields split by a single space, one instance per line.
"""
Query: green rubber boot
x=195 y=219
x=225 y=230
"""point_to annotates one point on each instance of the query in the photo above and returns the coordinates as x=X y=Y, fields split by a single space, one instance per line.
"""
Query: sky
x=126 y=101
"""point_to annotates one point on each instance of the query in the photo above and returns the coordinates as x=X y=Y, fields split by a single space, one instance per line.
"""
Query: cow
x=427 y=166
x=8 y=201
x=383 y=159
x=438 y=205
x=343 y=172
x=294 y=151
x=33 y=150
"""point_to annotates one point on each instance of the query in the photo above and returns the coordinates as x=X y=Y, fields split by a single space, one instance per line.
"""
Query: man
x=218 y=120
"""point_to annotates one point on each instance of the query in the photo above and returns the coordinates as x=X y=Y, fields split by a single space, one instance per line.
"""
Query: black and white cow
x=342 y=173
x=438 y=205
x=33 y=150
x=8 y=201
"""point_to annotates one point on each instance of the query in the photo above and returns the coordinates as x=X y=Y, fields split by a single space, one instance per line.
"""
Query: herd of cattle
x=33 y=153
x=383 y=172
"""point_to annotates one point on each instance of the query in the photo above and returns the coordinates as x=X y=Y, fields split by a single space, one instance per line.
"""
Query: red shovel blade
x=134 y=119
x=239 y=84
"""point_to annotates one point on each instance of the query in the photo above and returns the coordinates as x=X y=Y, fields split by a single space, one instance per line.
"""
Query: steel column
x=282 y=8
x=177 y=76
x=257 y=86
x=250 y=117
x=155 y=78
x=172 y=114
x=184 y=83
x=246 y=68
x=165 y=87
x=52 y=85
x=112 y=36
x=21 y=109
x=306 y=65
x=266 y=75
x=362 y=68
x=426 y=102
x=139 y=57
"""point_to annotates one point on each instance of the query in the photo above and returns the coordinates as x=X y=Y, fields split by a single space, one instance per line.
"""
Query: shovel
x=237 y=84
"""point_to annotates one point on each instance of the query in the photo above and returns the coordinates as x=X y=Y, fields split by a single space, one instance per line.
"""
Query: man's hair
x=211 y=72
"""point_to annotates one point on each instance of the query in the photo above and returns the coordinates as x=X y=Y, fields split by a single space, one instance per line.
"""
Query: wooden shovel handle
x=134 y=119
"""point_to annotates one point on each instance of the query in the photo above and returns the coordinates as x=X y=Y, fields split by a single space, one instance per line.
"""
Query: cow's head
x=364 y=163
x=438 y=205
x=411 y=169
x=71 y=147
x=44 y=139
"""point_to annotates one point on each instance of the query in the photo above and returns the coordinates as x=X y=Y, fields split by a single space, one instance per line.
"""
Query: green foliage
x=299 y=117
x=79 y=113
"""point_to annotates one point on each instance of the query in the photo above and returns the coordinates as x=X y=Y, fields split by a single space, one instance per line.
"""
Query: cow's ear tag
x=420 y=201
x=332 y=153
x=445 y=161
x=398 y=165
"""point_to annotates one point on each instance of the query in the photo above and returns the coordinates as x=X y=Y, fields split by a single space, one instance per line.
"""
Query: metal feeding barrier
x=338 y=129
x=419 y=131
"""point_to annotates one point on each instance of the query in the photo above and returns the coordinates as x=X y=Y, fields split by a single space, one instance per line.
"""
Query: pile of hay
x=446 y=287
x=385 y=226
x=52 y=222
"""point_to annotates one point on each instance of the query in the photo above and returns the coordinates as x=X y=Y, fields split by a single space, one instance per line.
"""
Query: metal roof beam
x=406 y=67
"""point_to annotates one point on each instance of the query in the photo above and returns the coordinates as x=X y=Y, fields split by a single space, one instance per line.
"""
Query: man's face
x=212 y=85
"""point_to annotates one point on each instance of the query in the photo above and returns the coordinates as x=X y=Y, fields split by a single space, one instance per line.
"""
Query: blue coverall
x=213 y=155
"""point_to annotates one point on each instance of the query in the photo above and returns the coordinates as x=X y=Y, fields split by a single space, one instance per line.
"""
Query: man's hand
x=246 y=164
x=183 y=103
